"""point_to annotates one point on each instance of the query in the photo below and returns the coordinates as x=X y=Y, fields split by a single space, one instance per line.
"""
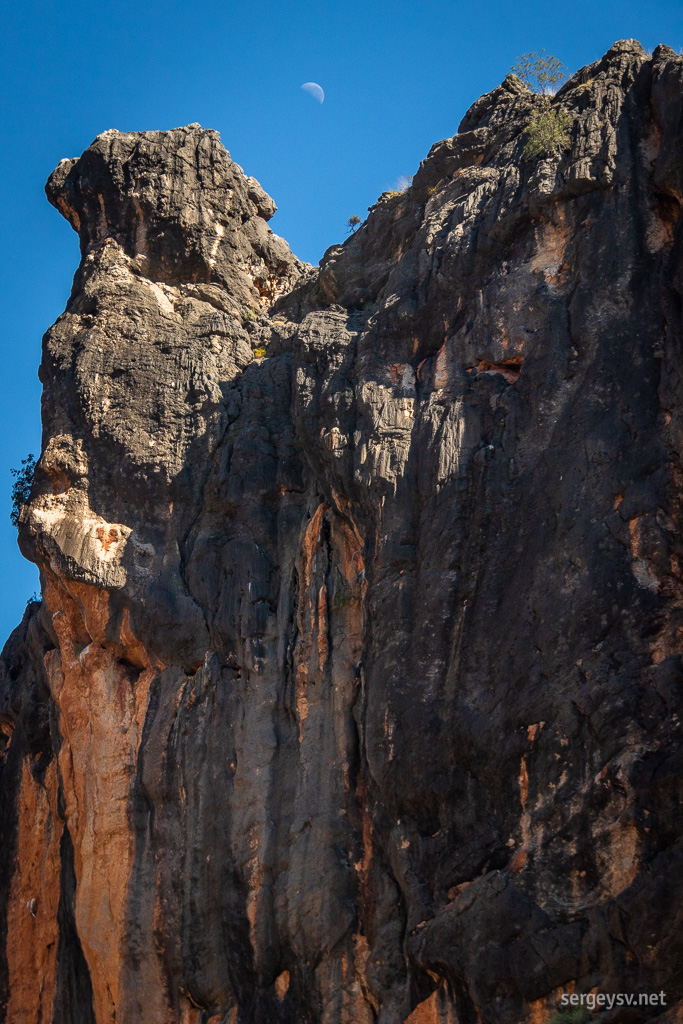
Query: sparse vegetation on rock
x=548 y=130
x=21 y=488
x=547 y=133
x=570 y=1015
x=540 y=71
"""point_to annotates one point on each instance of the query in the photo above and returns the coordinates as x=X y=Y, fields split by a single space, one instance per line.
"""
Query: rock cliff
x=354 y=691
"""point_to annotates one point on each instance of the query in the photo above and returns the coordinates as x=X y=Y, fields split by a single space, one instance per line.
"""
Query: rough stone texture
x=354 y=692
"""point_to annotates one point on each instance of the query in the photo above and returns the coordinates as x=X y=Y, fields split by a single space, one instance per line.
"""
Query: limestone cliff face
x=354 y=691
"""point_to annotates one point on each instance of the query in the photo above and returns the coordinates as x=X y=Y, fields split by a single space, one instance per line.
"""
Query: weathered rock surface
x=354 y=691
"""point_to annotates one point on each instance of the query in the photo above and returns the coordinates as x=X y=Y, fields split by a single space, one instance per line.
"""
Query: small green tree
x=540 y=72
x=353 y=223
x=547 y=132
x=21 y=488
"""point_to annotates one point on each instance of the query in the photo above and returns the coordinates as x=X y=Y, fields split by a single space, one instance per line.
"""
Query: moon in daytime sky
x=313 y=89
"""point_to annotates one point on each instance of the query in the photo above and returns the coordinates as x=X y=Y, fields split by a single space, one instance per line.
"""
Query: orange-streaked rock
x=32 y=932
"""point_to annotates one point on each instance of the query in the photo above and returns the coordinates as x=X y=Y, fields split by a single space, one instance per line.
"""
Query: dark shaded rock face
x=354 y=692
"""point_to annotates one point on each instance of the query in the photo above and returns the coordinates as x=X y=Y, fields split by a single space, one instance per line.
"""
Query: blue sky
x=397 y=77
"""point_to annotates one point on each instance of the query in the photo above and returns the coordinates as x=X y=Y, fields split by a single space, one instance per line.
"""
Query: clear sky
x=398 y=76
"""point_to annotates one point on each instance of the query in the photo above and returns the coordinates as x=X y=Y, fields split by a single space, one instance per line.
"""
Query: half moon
x=314 y=90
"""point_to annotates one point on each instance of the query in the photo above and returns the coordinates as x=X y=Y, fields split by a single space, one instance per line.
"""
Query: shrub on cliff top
x=547 y=132
x=541 y=72
x=21 y=488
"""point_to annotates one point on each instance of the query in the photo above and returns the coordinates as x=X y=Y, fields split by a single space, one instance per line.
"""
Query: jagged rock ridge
x=354 y=692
